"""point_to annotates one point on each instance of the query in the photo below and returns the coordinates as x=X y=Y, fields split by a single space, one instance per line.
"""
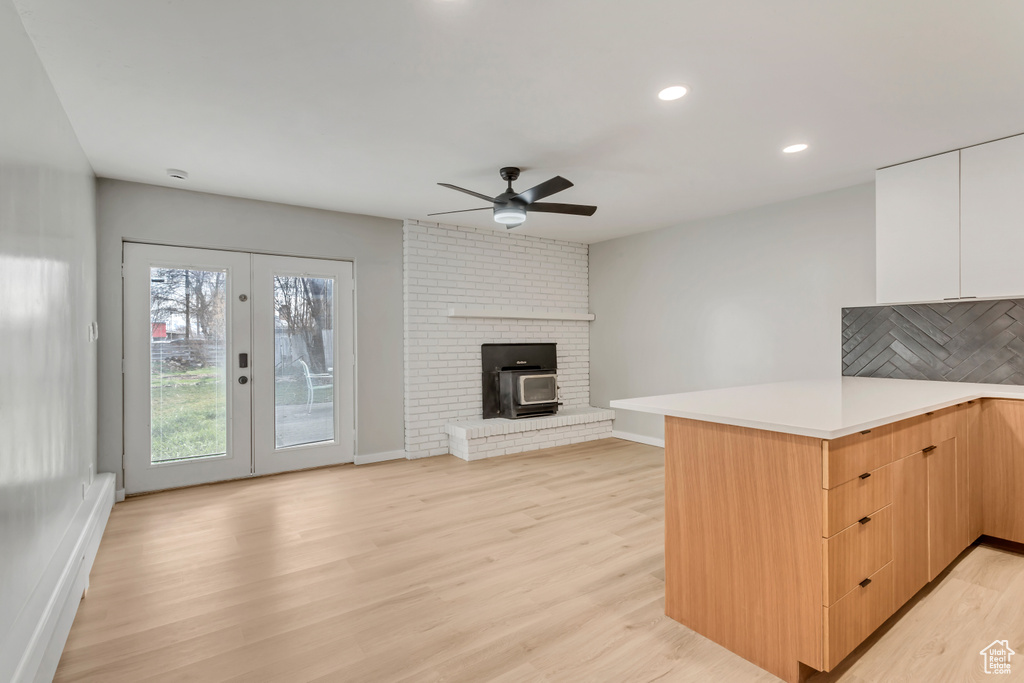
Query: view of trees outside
x=303 y=308
x=194 y=299
x=187 y=363
x=303 y=360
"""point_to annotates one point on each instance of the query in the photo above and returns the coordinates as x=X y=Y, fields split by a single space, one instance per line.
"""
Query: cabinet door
x=917 y=230
x=909 y=526
x=943 y=521
x=1000 y=450
x=992 y=218
x=968 y=471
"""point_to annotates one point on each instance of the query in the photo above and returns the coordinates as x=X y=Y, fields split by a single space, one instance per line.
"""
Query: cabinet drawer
x=851 y=501
x=912 y=435
x=850 y=456
x=856 y=553
x=857 y=615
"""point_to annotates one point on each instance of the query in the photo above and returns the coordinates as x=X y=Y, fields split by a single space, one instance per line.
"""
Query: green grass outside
x=189 y=414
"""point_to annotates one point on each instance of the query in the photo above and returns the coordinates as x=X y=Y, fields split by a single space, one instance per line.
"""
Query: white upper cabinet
x=992 y=219
x=917 y=230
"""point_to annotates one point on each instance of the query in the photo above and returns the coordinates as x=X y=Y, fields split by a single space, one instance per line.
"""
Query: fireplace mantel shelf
x=514 y=313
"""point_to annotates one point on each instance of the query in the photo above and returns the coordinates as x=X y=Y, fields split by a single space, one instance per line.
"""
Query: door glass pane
x=303 y=360
x=188 y=395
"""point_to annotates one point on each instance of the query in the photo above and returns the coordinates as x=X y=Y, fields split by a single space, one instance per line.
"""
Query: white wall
x=132 y=211
x=742 y=299
x=447 y=266
x=47 y=299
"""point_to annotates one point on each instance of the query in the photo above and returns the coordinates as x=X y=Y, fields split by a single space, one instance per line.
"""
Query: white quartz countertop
x=825 y=409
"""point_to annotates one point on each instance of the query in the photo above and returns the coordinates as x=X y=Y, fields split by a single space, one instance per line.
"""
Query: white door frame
x=141 y=474
x=267 y=457
x=135 y=297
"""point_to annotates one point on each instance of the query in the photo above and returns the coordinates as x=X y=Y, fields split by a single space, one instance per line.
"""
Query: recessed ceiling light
x=793 y=149
x=673 y=92
x=177 y=174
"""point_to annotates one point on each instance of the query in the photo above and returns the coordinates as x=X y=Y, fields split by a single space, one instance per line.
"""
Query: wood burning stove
x=519 y=380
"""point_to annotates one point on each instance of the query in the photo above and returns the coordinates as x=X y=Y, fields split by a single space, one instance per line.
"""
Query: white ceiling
x=364 y=105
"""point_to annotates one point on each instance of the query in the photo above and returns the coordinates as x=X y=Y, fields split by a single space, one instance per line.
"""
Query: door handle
x=864 y=583
x=243 y=360
x=864 y=520
x=865 y=475
x=929 y=449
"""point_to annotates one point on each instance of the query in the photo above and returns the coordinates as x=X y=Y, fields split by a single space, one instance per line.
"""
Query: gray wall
x=741 y=299
x=146 y=213
x=47 y=300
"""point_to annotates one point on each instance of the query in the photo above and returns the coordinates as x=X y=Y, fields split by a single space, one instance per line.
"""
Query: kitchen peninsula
x=799 y=516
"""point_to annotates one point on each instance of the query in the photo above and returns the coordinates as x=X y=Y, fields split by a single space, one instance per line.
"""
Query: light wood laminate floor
x=545 y=566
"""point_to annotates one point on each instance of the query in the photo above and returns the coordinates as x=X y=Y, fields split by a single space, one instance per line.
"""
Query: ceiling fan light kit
x=510 y=214
x=510 y=208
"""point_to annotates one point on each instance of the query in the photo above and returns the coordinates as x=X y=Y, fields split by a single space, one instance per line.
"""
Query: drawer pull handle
x=931 y=413
x=865 y=475
x=864 y=583
x=929 y=449
x=864 y=520
x=866 y=431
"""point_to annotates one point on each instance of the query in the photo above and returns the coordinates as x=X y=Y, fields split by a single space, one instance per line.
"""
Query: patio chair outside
x=316 y=382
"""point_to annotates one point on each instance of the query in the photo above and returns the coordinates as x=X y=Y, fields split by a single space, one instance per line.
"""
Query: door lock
x=243 y=380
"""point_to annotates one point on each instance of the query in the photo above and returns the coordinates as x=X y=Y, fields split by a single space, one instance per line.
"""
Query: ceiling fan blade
x=574 y=209
x=441 y=213
x=545 y=189
x=462 y=189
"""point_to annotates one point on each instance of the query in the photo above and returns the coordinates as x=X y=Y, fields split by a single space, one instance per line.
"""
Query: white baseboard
x=379 y=457
x=36 y=640
x=639 y=438
x=119 y=496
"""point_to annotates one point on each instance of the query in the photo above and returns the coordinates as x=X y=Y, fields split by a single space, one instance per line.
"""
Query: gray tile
x=929 y=323
x=863 y=326
x=905 y=370
x=862 y=358
x=978 y=341
x=917 y=340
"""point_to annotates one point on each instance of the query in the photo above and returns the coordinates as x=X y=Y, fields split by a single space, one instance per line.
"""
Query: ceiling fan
x=510 y=207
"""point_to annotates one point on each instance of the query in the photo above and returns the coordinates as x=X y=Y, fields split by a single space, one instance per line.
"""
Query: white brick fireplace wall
x=449 y=267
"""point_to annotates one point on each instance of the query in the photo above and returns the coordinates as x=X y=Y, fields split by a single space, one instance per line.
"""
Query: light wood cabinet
x=999 y=447
x=992 y=218
x=854 y=617
x=790 y=550
x=743 y=542
x=910 y=526
x=847 y=458
x=917 y=433
x=944 y=541
x=927 y=531
x=861 y=496
x=969 y=468
x=857 y=552
x=917 y=230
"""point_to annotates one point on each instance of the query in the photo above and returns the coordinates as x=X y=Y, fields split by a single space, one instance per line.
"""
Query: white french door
x=304 y=369
x=235 y=364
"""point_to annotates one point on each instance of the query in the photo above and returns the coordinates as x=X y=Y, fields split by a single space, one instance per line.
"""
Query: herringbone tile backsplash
x=977 y=341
